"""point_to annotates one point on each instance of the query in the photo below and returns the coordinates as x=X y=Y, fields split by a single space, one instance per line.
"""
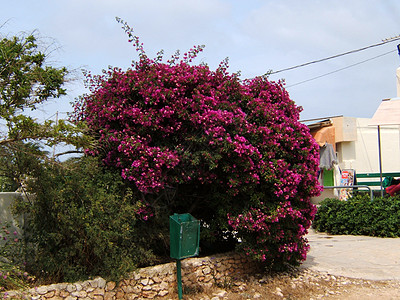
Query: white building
x=356 y=146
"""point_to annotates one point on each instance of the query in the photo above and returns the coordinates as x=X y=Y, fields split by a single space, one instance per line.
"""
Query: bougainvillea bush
x=231 y=152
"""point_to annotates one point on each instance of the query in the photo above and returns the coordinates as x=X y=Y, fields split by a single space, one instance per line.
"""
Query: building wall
x=363 y=154
x=6 y=218
x=357 y=148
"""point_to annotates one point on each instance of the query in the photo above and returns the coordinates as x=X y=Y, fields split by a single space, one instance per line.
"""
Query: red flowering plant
x=229 y=151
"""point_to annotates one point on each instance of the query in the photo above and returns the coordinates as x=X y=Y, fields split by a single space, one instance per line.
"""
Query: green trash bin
x=184 y=236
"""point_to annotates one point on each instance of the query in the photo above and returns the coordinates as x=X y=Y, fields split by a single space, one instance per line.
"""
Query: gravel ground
x=299 y=284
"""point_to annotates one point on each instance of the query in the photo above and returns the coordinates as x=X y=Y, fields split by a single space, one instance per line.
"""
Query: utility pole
x=54 y=147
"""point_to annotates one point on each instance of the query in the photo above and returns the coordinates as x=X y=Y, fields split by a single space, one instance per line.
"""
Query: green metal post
x=380 y=158
x=179 y=278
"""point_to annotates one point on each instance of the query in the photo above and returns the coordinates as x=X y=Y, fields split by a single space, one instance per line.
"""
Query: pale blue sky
x=256 y=36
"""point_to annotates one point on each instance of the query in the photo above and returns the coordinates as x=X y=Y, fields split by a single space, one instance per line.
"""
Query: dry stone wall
x=151 y=282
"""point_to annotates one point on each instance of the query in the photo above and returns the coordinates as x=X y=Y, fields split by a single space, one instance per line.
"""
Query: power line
x=384 y=41
x=326 y=74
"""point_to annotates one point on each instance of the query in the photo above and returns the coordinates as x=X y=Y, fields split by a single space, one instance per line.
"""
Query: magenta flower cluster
x=276 y=235
x=169 y=124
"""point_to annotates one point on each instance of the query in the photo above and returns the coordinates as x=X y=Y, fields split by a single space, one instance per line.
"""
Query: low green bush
x=12 y=262
x=84 y=221
x=360 y=216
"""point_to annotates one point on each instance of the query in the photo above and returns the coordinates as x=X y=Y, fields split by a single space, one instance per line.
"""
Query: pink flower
x=166 y=125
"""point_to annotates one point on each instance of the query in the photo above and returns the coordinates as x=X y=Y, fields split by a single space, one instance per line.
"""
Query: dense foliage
x=83 y=222
x=17 y=161
x=360 y=216
x=189 y=139
x=12 y=259
x=27 y=81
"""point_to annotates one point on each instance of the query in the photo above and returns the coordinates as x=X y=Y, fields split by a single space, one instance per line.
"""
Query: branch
x=68 y=152
x=13 y=140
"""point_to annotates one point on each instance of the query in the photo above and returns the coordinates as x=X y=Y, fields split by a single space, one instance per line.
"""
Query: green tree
x=17 y=160
x=26 y=82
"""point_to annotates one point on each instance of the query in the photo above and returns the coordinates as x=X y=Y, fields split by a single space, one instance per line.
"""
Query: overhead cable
x=326 y=74
x=385 y=41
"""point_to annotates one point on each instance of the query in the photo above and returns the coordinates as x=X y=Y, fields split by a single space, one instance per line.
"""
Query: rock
x=147 y=288
x=149 y=294
x=57 y=286
x=109 y=295
x=164 y=285
x=50 y=294
x=157 y=279
x=162 y=293
x=79 y=294
x=120 y=295
x=15 y=295
x=128 y=289
x=220 y=293
x=98 y=282
x=208 y=278
x=41 y=290
x=99 y=291
x=110 y=286
x=71 y=288
x=278 y=292
x=64 y=294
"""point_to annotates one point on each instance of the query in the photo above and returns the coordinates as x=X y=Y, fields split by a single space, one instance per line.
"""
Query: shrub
x=230 y=152
x=12 y=260
x=84 y=222
x=360 y=216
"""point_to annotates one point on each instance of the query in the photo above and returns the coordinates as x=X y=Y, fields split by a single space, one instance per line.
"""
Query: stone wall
x=151 y=282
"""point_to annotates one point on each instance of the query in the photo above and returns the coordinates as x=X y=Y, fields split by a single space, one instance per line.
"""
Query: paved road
x=354 y=256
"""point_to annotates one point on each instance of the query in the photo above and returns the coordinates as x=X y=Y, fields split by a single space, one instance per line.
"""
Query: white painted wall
x=357 y=148
x=363 y=155
x=6 y=202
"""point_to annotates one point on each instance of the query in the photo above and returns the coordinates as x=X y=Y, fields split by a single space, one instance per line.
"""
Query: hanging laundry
x=327 y=157
x=392 y=185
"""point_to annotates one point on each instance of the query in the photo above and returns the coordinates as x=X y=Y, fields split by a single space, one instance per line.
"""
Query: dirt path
x=302 y=284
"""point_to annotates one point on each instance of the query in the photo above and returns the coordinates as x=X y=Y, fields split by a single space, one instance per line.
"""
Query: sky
x=257 y=36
